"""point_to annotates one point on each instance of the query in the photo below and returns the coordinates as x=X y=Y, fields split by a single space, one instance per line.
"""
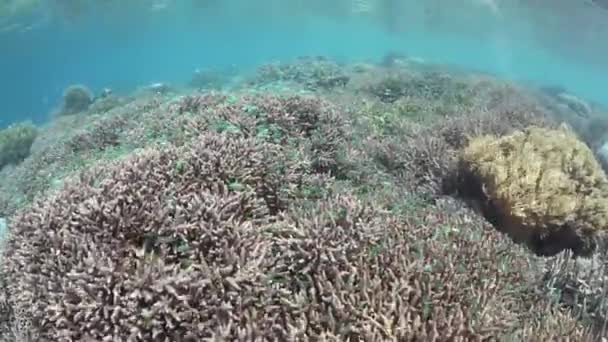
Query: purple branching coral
x=137 y=254
x=309 y=124
x=256 y=216
x=199 y=239
x=181 y=244
x=425 y=157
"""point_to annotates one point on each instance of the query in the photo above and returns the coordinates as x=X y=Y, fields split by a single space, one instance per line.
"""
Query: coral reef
x=543 y=187
x=76 y=99
x=16 y=141
x=424 y=155
x=203 y=174
x=65 y=146
x=312 y=72
x=106 y=102
x=310 y=126
x=276 y=215
x=426 y=85
x=182 y=243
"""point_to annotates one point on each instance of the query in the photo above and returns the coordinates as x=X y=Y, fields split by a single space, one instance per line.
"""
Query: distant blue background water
x=37 y=65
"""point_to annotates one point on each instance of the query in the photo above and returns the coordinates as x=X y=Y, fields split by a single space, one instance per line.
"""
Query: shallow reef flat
x=310 y=200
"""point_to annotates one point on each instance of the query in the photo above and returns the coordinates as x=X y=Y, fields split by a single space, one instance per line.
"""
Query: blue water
x=37 y=65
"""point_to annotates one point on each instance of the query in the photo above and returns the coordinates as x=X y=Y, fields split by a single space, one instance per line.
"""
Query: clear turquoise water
x=127 y=52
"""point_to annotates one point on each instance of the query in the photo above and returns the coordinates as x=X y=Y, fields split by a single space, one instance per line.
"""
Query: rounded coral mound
x=16 y=142
x=542 y=186
x=76 y=98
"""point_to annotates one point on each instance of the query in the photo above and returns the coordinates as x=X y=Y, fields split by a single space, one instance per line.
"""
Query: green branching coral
x=543 y=187
x=15 y=142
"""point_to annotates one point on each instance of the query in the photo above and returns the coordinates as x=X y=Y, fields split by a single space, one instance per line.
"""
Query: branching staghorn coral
x=181 y=244
x=314 y=73
x=425 y=157
x=159 y=225
x=309 y=124
x=544 y=187
x=240 y=221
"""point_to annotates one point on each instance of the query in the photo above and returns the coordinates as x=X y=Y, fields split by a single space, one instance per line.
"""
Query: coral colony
x=309 y=201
